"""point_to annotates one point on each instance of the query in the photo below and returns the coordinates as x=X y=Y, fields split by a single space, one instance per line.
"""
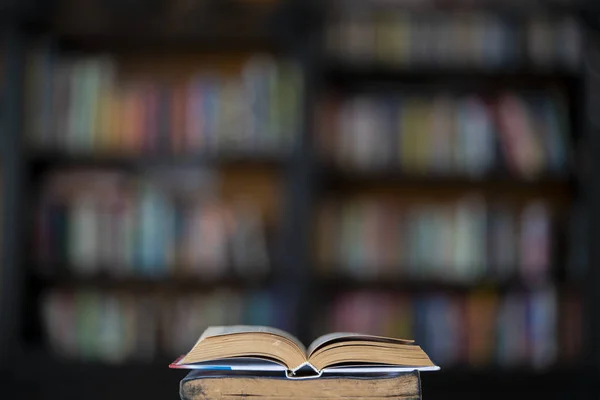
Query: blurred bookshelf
x=398 y=95
x=417 y=171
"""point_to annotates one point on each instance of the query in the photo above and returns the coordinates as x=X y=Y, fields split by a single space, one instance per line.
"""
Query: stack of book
x=82 y=105
x=217 y=385
x=118 y=327
x=467 y=135
x=465 y=240
x=478 y=328
x=486 y=40
x=336 y=366
x=154 y=225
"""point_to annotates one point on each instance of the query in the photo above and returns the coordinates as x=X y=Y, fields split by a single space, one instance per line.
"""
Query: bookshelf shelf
x=135 y=42
x=347 y=177
x=44 y=160
x=228 y=27
x=147 y=284
x=421 y=285
x=337 y=71
x=511 y=8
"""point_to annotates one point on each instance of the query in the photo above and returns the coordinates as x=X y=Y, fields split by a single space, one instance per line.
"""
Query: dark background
x=292 y=188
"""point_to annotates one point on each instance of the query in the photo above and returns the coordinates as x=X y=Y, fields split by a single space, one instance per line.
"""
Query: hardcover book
x=264 y=349
x=205 y=385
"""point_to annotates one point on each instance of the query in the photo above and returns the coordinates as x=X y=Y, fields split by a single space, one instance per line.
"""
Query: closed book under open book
x=210 y=385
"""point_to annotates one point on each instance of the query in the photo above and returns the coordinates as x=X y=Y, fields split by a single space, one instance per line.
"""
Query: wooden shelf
x=346 y=73
x=419 y=285
x=513 y=8
x=141 y=26
x=396 y=175
x=45 y=160
x=338 y=177
x=147 y=284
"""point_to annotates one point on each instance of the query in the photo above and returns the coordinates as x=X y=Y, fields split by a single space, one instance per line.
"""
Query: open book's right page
x=344 y=336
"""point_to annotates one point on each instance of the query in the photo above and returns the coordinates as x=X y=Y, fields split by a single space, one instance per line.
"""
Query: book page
x=223 y=342
x=349 y=336
x=237 y=329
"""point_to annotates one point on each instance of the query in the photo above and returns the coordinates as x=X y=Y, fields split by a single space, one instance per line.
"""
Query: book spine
x=477 y=39
x=478 y=328
x=467 y=136
x=194 y=115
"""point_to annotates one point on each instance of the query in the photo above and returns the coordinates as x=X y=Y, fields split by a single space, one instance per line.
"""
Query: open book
x=234 y=348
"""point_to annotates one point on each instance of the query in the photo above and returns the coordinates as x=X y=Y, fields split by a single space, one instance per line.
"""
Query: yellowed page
x=212 y=331
x=349 y=336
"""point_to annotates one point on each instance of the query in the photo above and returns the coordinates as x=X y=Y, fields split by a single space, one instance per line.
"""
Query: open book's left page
x=220 y=342
x=213 y=331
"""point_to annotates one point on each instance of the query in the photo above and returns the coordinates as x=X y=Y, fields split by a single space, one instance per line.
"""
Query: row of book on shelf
x=536 y=328
x=463 y=240
x=117 y=326
x=155 y=225
x=526 y=135
x=109 y=222
x=447 y=39
x=480 y=328
x=83 y=105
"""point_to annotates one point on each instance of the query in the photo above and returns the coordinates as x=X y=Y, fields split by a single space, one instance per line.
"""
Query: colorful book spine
x=480 y=328
x=465 y=240
x=470 y=135
x=449 y=39
x=114 y=327
x=154 y=226
x=97 y=111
